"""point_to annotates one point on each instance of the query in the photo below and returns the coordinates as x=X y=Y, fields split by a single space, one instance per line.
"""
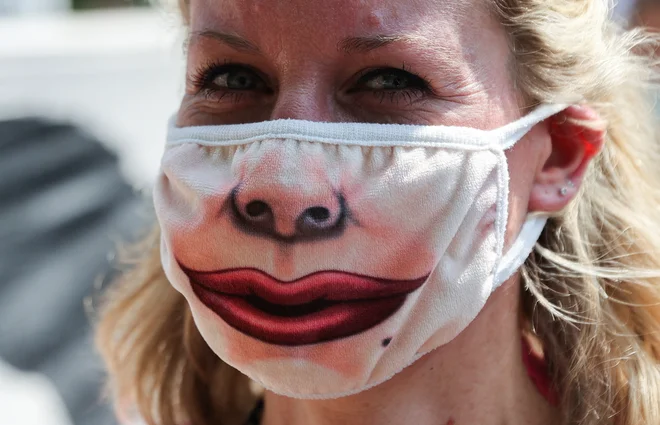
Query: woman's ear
x=576 y=135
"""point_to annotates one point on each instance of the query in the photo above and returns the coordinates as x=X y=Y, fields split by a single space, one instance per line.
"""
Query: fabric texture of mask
x=320 y=259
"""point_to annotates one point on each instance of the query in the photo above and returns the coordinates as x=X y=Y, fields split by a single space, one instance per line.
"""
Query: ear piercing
x=564 y=190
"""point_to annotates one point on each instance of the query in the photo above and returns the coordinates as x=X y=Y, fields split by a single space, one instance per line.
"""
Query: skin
x=647 y=15
x=308 y=65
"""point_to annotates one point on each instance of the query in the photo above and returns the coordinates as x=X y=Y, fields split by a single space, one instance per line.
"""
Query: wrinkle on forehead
x=378 y=16
x=323 y=24
x=456 y=36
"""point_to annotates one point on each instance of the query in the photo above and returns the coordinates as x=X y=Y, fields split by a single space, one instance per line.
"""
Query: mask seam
x=243 y=133
x=503 y=209
x=436 y=145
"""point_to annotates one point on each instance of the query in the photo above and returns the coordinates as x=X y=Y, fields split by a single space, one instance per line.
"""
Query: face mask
x=320 y=259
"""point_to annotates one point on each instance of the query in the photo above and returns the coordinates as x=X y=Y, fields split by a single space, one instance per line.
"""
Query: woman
x=364 y=273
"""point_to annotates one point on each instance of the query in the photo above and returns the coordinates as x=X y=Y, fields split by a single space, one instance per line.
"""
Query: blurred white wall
x=117 y=73
x=29 y=399
x=33 y=6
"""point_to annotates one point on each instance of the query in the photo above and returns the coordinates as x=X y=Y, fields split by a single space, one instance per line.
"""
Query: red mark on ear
x=590 y=149
x=451 y=422
x=566 y=133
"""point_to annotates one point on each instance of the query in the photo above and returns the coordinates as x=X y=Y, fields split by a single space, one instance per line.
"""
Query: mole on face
x=386 y=342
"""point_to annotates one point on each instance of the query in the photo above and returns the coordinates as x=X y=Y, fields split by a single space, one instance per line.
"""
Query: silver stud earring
x=564 y=191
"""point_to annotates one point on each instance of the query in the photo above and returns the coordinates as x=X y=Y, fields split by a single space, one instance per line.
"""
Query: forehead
x=325 y=21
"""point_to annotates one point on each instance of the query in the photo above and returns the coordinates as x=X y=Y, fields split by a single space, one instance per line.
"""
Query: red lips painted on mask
x=319 y=307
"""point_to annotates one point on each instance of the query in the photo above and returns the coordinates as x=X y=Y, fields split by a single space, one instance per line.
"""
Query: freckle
x=386 y=342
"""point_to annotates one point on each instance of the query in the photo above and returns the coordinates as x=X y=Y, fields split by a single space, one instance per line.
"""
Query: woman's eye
x=390 y=79
x=388 y=82
x=236 y=80
x=227 y=78
x=392 y=85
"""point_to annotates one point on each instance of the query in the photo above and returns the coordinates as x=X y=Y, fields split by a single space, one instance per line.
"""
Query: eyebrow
x=234 y=41
x=349 y=45
x=352 y=45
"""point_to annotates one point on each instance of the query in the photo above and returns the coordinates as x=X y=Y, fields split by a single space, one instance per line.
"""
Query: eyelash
x=421 y=86
x=202 y=81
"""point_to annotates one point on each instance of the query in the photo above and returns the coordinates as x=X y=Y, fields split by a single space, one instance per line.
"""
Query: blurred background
x=86 y=88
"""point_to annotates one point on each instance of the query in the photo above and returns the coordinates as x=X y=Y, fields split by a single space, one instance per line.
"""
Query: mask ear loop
x=507 y=136
x=531 y=230
x=521 y=248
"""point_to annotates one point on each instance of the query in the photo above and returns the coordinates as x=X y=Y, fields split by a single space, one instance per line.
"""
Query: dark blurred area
x=63 y=204
x=86 y=88
x=104 y=4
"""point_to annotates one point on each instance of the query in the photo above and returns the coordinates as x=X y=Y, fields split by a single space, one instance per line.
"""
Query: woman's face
x=378 y=61
x=426 y=62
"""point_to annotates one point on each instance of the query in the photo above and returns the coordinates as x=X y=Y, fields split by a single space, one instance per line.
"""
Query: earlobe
x=576 y=135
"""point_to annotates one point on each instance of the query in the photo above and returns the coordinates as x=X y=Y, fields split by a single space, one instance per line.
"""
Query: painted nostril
x=268 y=214
x=317 y=213
x=256 y=209
x=317 y=220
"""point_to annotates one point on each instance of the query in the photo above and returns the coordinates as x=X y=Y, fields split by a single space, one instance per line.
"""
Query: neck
x=478 y=378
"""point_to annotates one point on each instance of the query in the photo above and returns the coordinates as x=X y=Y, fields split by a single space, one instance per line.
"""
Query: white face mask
x=320 y=259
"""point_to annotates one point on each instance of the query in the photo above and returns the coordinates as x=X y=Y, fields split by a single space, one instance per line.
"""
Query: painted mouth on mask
x=319 y=307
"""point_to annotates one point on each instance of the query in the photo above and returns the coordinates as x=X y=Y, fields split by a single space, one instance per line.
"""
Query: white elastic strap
x=510 y=134
x=520 y=249
x=362 y=134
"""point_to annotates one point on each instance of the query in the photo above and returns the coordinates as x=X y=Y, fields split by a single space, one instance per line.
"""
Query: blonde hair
x=592 y=286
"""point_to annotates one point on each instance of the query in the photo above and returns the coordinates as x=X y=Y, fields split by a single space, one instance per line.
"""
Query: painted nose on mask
x=288 y=203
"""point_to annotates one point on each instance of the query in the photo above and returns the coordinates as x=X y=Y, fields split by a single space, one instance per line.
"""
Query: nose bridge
x=285 y=189
x=305 y=98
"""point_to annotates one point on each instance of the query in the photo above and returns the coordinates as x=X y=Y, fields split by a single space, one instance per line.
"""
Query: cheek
x=524 y=162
